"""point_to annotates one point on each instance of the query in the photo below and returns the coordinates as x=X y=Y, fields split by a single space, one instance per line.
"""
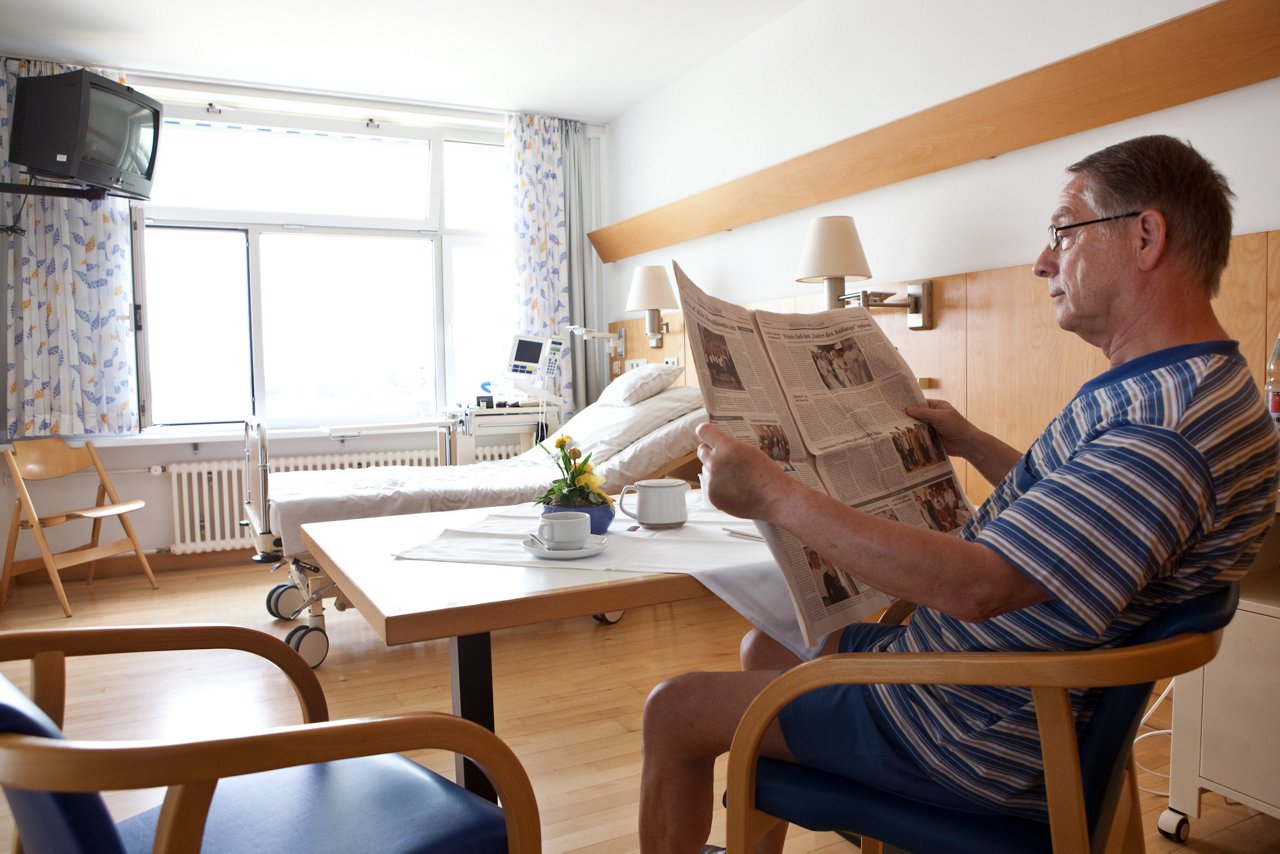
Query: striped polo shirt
x=1158 y=478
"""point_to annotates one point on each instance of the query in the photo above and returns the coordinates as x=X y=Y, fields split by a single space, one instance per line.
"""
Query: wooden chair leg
x=137 y=550
x=15 y=521
x=52 y=568
x=1126 y=835
x=95 y=536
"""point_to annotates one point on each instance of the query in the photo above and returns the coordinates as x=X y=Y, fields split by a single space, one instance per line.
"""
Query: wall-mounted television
x=87 y=129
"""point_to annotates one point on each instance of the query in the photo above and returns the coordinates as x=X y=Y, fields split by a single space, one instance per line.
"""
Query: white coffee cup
x=659 y=503
x=564 y=530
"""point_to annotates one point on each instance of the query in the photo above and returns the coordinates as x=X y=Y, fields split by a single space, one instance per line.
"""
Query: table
x=465 y=602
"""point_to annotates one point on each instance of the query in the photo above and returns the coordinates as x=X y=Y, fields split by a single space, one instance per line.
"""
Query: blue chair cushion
x=818 y=800
x=52 y=822
x=386 y=804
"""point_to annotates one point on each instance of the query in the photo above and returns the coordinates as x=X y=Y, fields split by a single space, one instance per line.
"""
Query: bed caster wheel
x=285 y=601
x=1174 y=825
x=608 y=618
x=311 y=643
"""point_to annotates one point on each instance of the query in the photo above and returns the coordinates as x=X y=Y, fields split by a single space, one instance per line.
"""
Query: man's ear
x=1151 y=234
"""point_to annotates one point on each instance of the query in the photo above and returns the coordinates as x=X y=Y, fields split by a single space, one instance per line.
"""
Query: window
x=318 y=273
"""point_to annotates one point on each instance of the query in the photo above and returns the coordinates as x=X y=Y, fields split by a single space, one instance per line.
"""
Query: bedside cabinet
x=1226 y=716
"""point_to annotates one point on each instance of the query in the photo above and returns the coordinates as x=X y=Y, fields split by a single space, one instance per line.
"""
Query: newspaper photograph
x=823 y=395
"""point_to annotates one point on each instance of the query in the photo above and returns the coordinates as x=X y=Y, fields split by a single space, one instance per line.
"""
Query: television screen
x=120 y=133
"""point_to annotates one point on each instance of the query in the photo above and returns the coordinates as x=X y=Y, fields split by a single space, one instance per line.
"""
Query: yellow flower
x=590 y=480
x=562 y=441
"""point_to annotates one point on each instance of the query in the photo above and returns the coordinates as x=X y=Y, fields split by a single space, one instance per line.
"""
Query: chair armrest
x=191 y=767
x=48 y=648
x=1048 y=674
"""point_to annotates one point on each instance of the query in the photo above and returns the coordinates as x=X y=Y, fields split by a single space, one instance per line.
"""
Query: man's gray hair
x=1168 y=175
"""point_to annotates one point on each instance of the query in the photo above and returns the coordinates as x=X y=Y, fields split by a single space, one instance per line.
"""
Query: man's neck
x=1164 y=317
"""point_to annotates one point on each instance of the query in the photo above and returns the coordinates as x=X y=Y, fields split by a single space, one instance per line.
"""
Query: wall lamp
x=651 y=292
x=833 y=254
x=918 y=303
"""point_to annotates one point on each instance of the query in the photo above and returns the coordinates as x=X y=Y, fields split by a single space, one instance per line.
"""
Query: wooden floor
x=568 y=698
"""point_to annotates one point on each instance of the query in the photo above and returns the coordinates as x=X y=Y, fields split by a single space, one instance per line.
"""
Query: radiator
x=208 y=496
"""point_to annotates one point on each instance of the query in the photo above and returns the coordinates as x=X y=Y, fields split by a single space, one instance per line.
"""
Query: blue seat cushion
x=386 y=804
x=821 y=801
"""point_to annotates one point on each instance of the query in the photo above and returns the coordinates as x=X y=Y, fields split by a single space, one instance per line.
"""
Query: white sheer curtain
x=557 y=286
x=68 y=302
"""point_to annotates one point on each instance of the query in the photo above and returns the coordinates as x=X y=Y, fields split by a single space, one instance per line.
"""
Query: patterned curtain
x=544 y=287
x=68 y=303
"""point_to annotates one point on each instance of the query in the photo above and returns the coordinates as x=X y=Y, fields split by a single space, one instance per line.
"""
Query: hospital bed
x=629 y=440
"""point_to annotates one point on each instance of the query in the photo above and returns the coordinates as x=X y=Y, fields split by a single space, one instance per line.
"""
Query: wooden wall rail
x=1228 y=45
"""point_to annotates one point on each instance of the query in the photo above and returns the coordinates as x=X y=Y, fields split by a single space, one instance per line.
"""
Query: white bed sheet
x=627 y=443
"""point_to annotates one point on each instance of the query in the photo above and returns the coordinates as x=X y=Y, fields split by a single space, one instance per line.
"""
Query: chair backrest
x=1107 y=738
x=53 y=822
x=49 y=457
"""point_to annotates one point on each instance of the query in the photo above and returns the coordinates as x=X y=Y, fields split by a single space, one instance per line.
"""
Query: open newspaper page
x=823 y=394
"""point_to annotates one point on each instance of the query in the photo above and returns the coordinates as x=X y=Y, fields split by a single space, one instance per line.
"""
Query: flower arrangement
x=579 y=485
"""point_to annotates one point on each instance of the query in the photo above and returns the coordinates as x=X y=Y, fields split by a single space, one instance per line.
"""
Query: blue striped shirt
x=1158 y=478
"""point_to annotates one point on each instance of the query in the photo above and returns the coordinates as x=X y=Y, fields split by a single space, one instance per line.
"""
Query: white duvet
x=626 y=442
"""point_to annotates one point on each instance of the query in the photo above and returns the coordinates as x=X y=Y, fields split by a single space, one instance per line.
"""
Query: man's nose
x=1046 y=264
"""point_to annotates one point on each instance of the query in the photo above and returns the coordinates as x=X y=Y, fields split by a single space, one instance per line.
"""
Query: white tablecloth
x=740 y=571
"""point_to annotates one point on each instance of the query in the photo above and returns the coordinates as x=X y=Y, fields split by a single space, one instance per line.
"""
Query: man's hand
x=955 y=431
x=741 y=480
x=961 y=438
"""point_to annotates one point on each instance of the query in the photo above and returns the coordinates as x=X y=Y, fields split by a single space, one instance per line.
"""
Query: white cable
x=1138 y=765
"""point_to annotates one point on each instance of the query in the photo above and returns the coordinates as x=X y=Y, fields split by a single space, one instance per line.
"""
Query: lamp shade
x=833 y=251
x=651 y=289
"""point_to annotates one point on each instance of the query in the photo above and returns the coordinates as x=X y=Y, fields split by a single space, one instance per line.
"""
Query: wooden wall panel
x=637 y=346
x=1241 y=304
x=936 y=356
x=1273 y=288
x=1022 y=368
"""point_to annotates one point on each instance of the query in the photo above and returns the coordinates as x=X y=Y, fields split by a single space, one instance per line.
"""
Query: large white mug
x=659 y=503
x=566 y=530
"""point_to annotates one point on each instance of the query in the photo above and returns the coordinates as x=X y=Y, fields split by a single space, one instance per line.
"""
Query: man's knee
x=758 y=651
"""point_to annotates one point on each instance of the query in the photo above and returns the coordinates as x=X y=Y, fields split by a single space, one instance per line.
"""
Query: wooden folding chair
x=46 y=459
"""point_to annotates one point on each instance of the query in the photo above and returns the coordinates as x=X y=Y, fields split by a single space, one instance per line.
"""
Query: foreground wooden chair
x=46 y=459
x=1091 y=783
x=320 y=786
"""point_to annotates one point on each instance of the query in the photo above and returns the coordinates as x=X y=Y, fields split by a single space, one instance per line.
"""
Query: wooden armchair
x=319 y=786
x=1091 y=782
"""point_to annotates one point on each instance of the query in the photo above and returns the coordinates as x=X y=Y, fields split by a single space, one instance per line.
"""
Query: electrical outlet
x=671 y=360
x=636 y=363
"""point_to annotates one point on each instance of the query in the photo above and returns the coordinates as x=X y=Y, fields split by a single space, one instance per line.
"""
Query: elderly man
x=1155 y=482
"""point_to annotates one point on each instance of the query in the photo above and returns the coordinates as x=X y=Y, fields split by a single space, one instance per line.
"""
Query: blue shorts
x=836 y=729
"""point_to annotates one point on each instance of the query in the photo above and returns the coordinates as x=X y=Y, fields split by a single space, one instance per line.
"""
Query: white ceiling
x=583 y=59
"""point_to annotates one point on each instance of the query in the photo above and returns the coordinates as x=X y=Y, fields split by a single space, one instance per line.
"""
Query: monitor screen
x=120 y=133
x=526 y=355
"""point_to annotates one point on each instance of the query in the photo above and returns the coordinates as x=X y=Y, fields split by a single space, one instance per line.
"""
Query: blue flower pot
x=601 y=514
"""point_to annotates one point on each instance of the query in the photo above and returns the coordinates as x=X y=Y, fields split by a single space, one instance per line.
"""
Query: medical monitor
x=528 y=356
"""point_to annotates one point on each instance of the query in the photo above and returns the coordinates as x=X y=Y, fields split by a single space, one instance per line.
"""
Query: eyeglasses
x=1055 y=231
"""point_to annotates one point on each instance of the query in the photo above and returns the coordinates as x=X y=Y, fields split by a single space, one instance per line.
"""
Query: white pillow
x=639 y=384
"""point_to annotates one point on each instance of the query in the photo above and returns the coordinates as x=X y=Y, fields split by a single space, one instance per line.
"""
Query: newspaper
x=823 y=394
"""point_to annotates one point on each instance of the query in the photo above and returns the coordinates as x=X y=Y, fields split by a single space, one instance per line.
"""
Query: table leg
x=471 y=666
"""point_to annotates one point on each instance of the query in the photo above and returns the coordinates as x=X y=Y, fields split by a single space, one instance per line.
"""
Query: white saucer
x=594 y=546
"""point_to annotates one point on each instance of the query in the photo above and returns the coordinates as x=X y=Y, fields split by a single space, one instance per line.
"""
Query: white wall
x=834 y=68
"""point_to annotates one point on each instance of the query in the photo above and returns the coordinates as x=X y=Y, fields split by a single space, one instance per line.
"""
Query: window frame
x=255 y=224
